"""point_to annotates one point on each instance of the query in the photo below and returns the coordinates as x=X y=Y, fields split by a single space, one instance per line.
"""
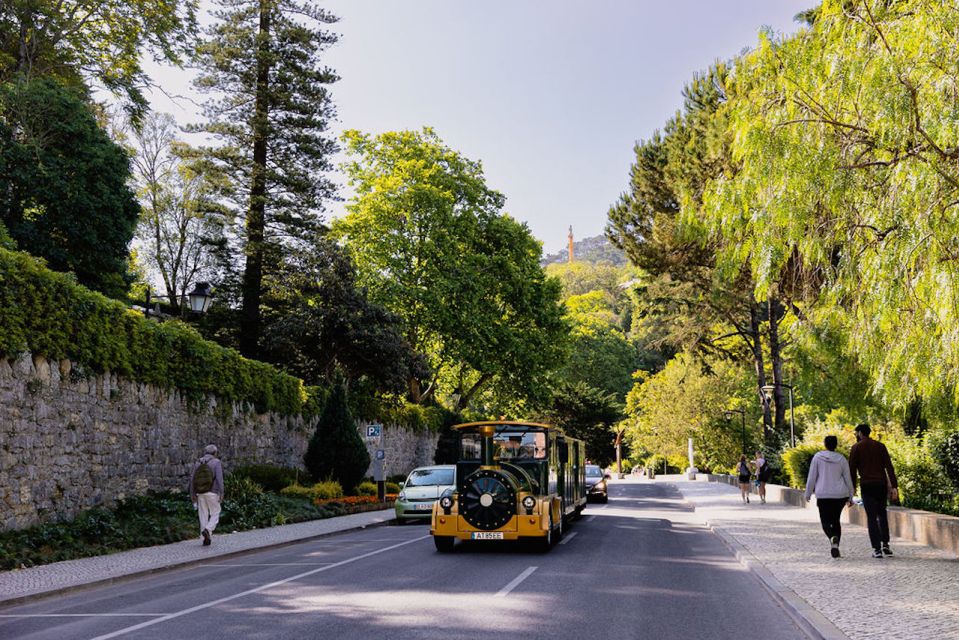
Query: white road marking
x=213 y=603
x=568 y=537
x=82 y=615
x=515 y=582
x=268 y=564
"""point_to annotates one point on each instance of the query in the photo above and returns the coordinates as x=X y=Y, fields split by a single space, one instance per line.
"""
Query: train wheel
x=444 y=544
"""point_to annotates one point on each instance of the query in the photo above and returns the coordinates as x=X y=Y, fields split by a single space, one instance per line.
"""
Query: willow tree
x=269 y=112
x=846 y=136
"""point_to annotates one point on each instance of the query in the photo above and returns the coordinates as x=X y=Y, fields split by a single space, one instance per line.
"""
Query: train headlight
x=528 y=503
x=446 y=502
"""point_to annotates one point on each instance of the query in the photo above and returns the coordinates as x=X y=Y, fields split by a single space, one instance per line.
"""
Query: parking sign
x=374 y=430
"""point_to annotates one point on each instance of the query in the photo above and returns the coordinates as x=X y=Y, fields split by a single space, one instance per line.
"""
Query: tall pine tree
x=269 y=112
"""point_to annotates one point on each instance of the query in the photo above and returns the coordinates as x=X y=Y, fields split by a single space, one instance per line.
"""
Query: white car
x=422 y=488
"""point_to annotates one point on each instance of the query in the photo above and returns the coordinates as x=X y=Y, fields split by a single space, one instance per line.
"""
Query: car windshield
x=427 y=477
x=593 y=470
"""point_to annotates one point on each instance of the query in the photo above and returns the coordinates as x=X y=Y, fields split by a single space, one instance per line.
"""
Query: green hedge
x=47 y=313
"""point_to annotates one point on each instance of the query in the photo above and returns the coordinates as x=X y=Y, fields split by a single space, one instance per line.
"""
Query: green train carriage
x=514 y=481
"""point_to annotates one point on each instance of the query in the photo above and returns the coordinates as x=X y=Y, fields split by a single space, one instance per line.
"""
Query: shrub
x=392 y=487
x=796 y=463
x=366 y=488
x=270 y=477
x=326 y=490
x=47 y=313
x=922 y=482
x=336 y=450
x=945 y=448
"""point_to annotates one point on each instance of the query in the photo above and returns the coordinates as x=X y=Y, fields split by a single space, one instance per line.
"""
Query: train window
x=529 y=445
x=471 y=445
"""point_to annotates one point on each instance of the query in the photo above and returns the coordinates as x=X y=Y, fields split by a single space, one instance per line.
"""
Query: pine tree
x=336 y=450
x=269 y=114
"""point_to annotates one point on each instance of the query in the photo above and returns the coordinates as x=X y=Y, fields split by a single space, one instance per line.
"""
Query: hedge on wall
x=46 y=313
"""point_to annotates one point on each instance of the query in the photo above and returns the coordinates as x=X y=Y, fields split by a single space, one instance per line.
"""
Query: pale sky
x=550 y=95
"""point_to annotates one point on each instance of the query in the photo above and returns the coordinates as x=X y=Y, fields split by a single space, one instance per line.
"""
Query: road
x=638 y=567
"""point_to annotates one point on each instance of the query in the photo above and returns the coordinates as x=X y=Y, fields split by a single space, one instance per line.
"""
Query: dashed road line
x=568 y=537
x=83 y=615
x=515 y=582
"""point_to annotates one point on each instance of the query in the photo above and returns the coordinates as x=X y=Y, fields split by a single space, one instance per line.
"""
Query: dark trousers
x=874 y=502
x=829 y=511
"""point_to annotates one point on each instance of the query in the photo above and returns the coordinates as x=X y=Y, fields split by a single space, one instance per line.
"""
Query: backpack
x=743 y=469
x=203 y=478
x=765 y=472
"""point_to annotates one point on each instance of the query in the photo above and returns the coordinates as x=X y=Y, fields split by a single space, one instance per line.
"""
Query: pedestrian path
x=913 y=595
x=70 y=574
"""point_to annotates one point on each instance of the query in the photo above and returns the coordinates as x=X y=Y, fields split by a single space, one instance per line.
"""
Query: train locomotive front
x=515 y=481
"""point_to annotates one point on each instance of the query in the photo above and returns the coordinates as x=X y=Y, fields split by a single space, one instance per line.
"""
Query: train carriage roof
x=511 y=423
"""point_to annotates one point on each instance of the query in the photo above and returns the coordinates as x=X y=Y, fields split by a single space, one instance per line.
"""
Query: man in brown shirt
x=869 y=462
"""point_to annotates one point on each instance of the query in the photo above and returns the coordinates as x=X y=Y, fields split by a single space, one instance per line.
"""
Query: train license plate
x=423 y=506
x=487 y=535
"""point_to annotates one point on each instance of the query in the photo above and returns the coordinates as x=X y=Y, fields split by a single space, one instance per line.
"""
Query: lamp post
x=199 y=299
x=768 y=394
x=728 y=414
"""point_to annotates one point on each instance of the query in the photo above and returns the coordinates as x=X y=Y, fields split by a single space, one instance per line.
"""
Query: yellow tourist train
x=514 y=481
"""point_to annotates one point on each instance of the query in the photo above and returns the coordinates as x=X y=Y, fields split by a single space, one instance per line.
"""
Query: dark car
x=596 y=484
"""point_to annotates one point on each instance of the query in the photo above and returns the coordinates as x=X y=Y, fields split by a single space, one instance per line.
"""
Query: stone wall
x=70 y=441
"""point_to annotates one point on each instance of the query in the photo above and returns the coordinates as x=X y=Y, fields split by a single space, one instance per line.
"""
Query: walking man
x=206 y=491
x=830 y=480
x=869 y=460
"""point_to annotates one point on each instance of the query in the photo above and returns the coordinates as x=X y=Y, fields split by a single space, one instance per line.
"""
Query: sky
x=550 y=95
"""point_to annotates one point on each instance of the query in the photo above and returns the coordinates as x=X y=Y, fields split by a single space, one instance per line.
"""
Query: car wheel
x=605 y=498
x=444 y=544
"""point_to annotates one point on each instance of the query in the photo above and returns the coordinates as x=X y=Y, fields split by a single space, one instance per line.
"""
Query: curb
x=31 y=597
x=813 y=623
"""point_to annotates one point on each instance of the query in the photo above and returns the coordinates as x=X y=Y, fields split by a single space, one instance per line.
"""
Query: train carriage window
x=530 y=445
x=563 y=452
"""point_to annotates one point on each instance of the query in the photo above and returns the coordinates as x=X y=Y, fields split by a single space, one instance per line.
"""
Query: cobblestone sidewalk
x=59 y=576
x=913 y=595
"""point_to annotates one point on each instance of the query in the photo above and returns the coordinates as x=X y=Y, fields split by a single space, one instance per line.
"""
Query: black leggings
x=829 y=511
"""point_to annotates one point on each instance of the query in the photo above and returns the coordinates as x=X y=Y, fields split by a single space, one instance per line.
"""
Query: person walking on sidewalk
x=762 y=475
x=869 y=463
x=829 y=478
x=206 y=491
x=743 y=470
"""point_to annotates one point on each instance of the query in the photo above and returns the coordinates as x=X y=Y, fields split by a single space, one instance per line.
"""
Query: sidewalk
x=914 y=594
x=47 y=579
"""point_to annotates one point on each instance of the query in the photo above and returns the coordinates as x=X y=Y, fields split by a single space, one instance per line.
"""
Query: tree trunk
x=757 y=348
x=256 y=217
x=775 y=357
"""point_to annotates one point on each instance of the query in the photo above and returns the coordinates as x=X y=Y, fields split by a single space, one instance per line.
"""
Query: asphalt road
x=638 y=567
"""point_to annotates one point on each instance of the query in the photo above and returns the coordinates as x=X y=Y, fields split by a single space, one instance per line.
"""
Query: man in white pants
x=206 y=490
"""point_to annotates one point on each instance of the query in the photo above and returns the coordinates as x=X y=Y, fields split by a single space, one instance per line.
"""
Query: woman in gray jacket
x=830 y=480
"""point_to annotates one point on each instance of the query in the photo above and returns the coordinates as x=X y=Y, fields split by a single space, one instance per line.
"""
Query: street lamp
x=728 y=414
x=768 y=390
x=200 y=298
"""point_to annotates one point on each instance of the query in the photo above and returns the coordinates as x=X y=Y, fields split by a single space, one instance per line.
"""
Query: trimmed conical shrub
x=336 y=450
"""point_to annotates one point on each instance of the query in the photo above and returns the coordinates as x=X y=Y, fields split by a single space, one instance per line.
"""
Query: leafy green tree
x=101 y=41
x=269 y=112
x=336 y=450
x=685 y=400
x=587 y=413
x=430 y=244
x=318 y=322
x=63 y=184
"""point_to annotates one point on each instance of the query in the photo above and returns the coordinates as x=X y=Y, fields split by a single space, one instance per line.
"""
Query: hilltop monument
x=571 y=244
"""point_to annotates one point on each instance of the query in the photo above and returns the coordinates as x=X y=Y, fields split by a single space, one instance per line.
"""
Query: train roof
x=515 y=423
